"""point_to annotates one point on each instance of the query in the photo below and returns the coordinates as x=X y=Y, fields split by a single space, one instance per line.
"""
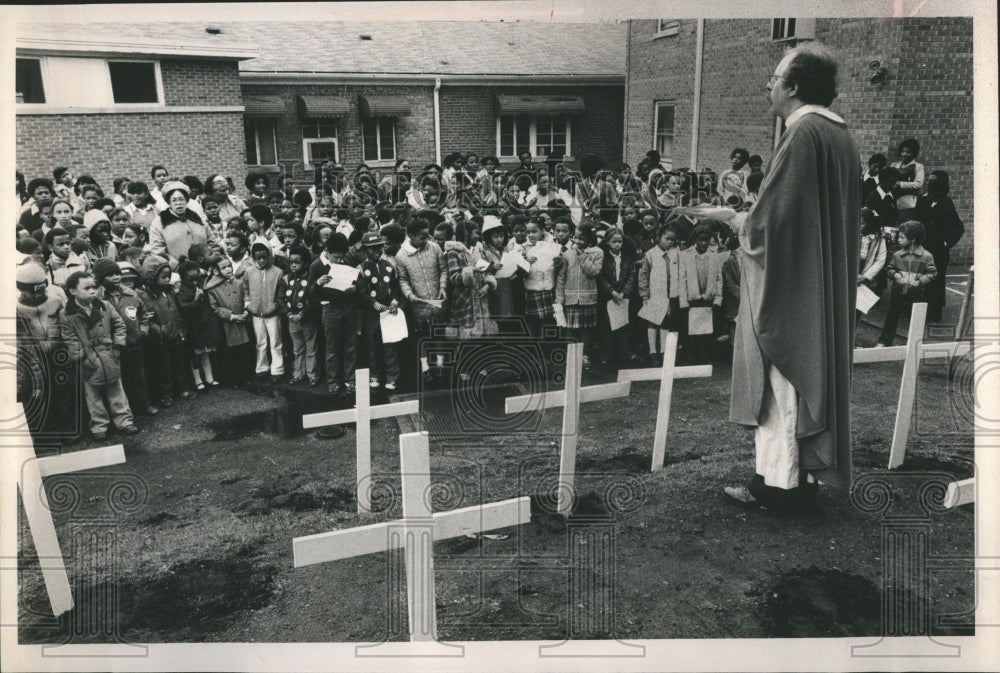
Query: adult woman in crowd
x=936 y=211
x=177 y=228
x=230 y=205
x=912 y=182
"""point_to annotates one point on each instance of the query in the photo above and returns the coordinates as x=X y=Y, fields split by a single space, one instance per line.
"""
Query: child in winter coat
x=301 y=317
x=615 y=284
x=128 y=304
x=911 y=270
x=700 y=287
x=225 y=295
x=378 y=285
x=540 y=283
x=95 y=335
x=166 y=355
x=264 y=293
x=659 y=276
x=576 y=285
x=202 y=325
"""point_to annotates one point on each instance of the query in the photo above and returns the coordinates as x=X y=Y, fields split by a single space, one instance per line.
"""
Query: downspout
x=437 y=119
x=699 y=52
x=628 y=63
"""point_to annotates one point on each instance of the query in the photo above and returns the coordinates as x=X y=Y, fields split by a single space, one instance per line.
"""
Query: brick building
x=921 y=86
x=114 y=107
x=348 y=92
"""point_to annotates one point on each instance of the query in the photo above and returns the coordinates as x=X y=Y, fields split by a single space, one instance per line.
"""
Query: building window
x=542 y=135
x=666 y=27
x=29 y=81
x=379 y=138
x=260 y=142
x=319 y=141
x=663 y=137
x=133 y=82
x=77 y=82
x=793 y=29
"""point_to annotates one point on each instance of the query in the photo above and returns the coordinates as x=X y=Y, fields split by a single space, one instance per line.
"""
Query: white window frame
x=805 y=29
x=102 y=88
x=533 y=136
x=667 y=163
x=667 y=27
x=308 y=142
x=274 y=140
x=378 y=141
x=161 y=99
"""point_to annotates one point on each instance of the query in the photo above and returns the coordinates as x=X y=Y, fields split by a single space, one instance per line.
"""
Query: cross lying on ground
x=23 y=471
x=415 y=533
x=362 y=414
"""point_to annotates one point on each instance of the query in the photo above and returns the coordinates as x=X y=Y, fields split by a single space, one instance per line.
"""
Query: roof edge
x=53 y=46
x=284 y=77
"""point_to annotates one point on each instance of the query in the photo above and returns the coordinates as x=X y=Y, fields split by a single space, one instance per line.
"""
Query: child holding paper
x=911 y=270
x=338 y=298
x=700 y=290
x=576 y=285
x=540 y=283
x=614 y=285
x=659 y=282
x=378 y=285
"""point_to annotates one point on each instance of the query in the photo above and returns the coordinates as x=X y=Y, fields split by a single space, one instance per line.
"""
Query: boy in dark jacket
x=615 y=283
x=129 y=306
x=301 y=322
x=378 y=285
x=166 y=355
x=264 y=293
x=339 y=314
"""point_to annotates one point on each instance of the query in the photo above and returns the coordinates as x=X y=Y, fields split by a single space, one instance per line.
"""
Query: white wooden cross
x=666 y=375
x=362 y=414
x=911 y=354
x=415 y=534
x=960 y=493
x=23 y=471
x=569 y=399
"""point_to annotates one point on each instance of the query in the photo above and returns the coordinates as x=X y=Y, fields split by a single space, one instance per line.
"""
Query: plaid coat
x=469 y=309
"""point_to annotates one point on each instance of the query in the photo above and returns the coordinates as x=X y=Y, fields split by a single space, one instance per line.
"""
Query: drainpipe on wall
x=628 y=62
x=437 y=119
x=699 y=52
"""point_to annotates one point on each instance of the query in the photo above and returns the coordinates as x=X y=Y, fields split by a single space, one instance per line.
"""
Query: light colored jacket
x=689 y=288
x=577 y=280
x=423 y=274
x=171 y=237
x=657 y=278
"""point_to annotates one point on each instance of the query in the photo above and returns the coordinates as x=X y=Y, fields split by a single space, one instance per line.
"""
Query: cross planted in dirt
x=415 y=533
x=23 y=471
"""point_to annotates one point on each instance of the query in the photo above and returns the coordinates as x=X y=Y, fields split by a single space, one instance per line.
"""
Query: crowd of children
x=154 y=295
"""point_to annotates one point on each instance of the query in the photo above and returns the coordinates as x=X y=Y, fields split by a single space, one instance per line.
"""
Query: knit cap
x=30 y=274
x=103 y=268
x=128 y=269
x=92 y=217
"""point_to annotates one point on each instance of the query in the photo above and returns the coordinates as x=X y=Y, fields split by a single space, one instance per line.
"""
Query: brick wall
x=927 y=93
x=188 y=82
x=113 y=145
x=468 y=119
x=414 y=132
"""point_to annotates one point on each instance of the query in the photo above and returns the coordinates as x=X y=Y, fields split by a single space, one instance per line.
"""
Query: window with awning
x=510 y=105
x=323 y=107
x=383 y=106
x=263 y=106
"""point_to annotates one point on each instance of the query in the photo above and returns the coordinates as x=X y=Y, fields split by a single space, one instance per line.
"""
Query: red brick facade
x=926 y=94
x=468 y=120
x=111 y=145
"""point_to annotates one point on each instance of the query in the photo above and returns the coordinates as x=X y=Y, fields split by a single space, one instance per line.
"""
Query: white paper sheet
x=342 y=276
x=618 y=314
x=545 y=253
x=700 y=320
x=393 y=326
x=520 y=260
x=557 y=311
x=866 y=299
x=655 y=310
x=508 y=265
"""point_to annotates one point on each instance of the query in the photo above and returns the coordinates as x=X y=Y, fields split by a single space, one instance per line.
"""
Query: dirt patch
x=821 y=603
x=958 y=468
x=191 y=602
x=157 y=519
x=284 y=492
